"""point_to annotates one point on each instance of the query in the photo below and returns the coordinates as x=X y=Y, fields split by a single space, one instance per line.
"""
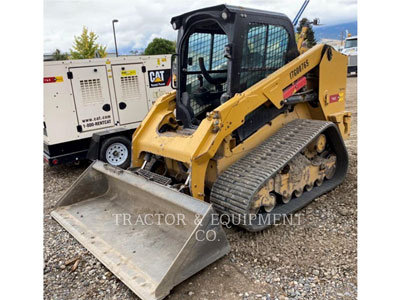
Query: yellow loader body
x=198 y=150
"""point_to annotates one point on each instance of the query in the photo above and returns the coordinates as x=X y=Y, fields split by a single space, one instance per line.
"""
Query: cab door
x=130 y=92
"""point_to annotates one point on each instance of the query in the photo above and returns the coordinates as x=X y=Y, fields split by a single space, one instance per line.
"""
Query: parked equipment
x=253 y=130
x=350 y=49
x=93 y=106
x=301 y=40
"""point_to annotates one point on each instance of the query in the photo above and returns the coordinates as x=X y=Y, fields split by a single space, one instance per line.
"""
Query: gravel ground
x=315 y=258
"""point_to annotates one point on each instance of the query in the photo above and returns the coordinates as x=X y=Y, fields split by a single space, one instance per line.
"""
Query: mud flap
x=150 y=236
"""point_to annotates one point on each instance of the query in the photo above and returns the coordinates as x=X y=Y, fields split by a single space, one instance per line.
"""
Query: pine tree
x=85 y=46
x=309 y=38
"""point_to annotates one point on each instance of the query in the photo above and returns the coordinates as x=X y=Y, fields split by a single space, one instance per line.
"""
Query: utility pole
x=341 y=39
x=115 y=38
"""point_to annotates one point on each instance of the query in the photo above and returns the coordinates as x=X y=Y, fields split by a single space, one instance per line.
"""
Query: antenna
x=302 y=8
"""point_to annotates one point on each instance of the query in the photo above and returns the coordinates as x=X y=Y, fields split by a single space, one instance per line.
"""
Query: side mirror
x=174 y=70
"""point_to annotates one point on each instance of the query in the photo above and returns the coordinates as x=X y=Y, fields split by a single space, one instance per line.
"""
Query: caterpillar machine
x=253 y=130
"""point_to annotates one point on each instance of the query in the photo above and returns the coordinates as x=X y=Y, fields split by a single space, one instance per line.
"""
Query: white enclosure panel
x=59 y=109
x=92 y=97
x=130 y=92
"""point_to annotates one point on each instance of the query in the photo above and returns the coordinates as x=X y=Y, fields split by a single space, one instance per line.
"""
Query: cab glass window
x=264 y=51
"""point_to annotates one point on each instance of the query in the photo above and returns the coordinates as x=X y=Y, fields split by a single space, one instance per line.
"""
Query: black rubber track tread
x=234 y=190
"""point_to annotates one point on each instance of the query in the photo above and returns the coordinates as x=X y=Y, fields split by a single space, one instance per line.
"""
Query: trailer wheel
x=116 y=151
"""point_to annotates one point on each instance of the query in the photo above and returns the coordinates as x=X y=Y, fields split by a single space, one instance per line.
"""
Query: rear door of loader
x=130 y=92
x=92 y=97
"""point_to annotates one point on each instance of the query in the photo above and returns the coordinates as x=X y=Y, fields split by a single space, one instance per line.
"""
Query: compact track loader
x=253 y=132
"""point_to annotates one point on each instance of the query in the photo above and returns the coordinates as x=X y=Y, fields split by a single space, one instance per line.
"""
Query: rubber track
x=234 y=190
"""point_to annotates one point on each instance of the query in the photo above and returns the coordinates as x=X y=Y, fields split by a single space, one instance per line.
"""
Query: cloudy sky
x=142 y=20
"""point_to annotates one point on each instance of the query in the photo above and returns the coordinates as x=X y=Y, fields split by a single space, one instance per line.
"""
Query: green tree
x=85 y=46
x=160 y=46
x=57 y=55
x=309 y=34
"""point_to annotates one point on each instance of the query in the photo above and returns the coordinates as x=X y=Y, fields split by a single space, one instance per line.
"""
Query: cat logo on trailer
x=158 y=78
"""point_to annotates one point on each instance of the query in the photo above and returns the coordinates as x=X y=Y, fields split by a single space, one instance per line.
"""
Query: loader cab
x=223 y=50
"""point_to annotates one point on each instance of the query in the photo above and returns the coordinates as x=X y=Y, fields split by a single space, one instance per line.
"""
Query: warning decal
x=333 y=98
x=53 y=79
x=128 y=73
x=159 y=78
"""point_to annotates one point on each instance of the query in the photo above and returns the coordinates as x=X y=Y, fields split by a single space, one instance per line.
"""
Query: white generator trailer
x=93 y=106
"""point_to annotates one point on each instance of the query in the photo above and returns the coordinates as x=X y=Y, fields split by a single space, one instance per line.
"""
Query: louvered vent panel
x=91 y=91
x=130 y=88
x=353 y=60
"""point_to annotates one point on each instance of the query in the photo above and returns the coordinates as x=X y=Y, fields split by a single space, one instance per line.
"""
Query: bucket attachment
x=150 y=236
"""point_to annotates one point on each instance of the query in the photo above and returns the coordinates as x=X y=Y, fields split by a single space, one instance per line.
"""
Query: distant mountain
x=130 y=51
x=136 y=51
x=334 y=31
